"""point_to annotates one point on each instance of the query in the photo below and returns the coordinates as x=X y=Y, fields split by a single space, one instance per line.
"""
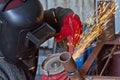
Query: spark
x=106 y=12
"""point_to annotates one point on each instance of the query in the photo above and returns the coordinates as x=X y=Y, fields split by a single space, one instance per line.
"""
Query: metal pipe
x=70 y=66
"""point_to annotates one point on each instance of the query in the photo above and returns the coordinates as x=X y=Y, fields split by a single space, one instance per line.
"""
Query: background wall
x=83 y=8
x=117 y=17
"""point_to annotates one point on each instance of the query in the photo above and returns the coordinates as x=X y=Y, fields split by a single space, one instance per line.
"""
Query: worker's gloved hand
x=71 y=29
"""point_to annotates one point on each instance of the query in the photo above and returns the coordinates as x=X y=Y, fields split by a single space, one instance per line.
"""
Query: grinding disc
x=52 y=65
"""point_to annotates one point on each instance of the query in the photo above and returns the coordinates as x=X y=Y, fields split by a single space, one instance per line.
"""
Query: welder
x=24 y=25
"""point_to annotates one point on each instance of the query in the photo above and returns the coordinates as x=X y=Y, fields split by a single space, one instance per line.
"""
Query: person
x=18 y=20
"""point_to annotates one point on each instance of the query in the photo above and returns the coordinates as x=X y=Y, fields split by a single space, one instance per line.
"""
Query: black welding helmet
x=21 y=28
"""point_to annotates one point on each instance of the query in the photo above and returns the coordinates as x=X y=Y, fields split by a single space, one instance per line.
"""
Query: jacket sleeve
x=9 y=71
x=55 y=16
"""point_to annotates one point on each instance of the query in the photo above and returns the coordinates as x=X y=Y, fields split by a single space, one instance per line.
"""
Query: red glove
x=72 y=30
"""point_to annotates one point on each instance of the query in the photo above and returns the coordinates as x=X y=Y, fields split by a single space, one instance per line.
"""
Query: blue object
x=80 y=61
x=83 y=57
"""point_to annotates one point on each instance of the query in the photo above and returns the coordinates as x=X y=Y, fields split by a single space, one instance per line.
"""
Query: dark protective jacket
x=9 y=71
x=54 y=16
